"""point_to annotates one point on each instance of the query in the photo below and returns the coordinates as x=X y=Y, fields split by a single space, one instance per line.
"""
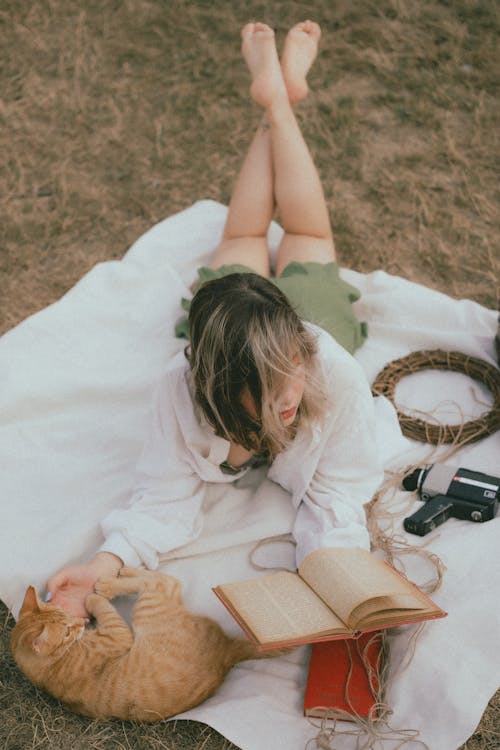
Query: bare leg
x=299 y=194
x=253 y=201
x=297 y=187
x=251 y=209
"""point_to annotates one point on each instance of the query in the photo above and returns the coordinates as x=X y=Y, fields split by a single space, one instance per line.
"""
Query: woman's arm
x=163 y=511
x=348 y=474
x=161 y=515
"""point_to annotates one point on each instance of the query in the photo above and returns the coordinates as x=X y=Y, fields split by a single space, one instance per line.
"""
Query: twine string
x=375 y=731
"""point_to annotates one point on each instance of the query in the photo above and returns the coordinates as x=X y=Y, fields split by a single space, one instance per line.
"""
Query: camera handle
x=432 y=514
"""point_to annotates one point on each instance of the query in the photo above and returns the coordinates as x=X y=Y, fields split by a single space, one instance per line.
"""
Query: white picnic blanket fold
x=76 y=382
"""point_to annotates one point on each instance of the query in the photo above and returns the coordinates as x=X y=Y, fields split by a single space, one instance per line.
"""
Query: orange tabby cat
x=172 y=661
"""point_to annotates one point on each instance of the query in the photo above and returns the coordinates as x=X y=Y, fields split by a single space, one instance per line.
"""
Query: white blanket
x=76 y=381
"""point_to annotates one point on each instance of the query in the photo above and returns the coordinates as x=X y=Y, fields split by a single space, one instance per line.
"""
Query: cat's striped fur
x=169 y=662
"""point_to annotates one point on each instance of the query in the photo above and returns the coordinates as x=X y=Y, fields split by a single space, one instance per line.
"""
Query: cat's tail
x=240 y=650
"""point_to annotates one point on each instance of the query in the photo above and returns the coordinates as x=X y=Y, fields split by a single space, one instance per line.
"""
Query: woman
x=258 y=384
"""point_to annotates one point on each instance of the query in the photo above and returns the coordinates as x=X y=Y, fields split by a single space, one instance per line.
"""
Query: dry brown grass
x=117 y=113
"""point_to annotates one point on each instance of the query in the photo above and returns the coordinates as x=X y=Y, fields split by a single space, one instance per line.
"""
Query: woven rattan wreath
x=437 y=359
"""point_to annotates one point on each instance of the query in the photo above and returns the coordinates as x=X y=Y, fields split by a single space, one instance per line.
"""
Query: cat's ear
x=40 y=641
x=31 y=603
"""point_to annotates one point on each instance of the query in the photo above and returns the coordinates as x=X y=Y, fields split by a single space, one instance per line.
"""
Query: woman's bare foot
x=299 y=53
x=259 y=51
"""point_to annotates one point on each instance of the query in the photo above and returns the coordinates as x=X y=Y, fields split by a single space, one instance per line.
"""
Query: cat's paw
x=92 y=602
x=106 y=587
x=171 y=585
x=127 y=572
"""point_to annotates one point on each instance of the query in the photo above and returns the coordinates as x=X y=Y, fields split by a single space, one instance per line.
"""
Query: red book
x=344 y=675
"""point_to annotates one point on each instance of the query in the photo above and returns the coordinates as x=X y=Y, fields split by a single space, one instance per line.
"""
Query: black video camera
x=450 y=491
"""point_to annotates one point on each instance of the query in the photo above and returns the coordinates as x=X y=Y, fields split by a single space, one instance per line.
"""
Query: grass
x=116 y=113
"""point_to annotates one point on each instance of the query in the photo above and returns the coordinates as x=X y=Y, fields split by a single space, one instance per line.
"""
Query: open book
x=337 y=593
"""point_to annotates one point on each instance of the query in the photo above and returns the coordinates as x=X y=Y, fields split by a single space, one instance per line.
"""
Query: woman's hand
x=70 y=586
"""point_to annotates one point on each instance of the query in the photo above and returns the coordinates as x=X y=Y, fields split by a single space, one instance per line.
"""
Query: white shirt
x=331 y=468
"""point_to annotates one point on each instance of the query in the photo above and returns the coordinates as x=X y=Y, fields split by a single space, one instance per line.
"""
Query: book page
x=280 y=607
x=345 y=578
x=389 y=608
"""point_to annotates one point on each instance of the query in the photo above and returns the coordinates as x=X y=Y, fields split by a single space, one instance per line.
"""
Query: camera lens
x=410 y=482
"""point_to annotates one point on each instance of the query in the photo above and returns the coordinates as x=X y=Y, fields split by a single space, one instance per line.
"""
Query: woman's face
x=291 y=392
x=288 y=397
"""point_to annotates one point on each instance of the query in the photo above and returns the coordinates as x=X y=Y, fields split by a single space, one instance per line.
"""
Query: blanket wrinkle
x=113 y=332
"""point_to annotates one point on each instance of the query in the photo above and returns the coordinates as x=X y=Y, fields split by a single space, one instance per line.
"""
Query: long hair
x=244 y=333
